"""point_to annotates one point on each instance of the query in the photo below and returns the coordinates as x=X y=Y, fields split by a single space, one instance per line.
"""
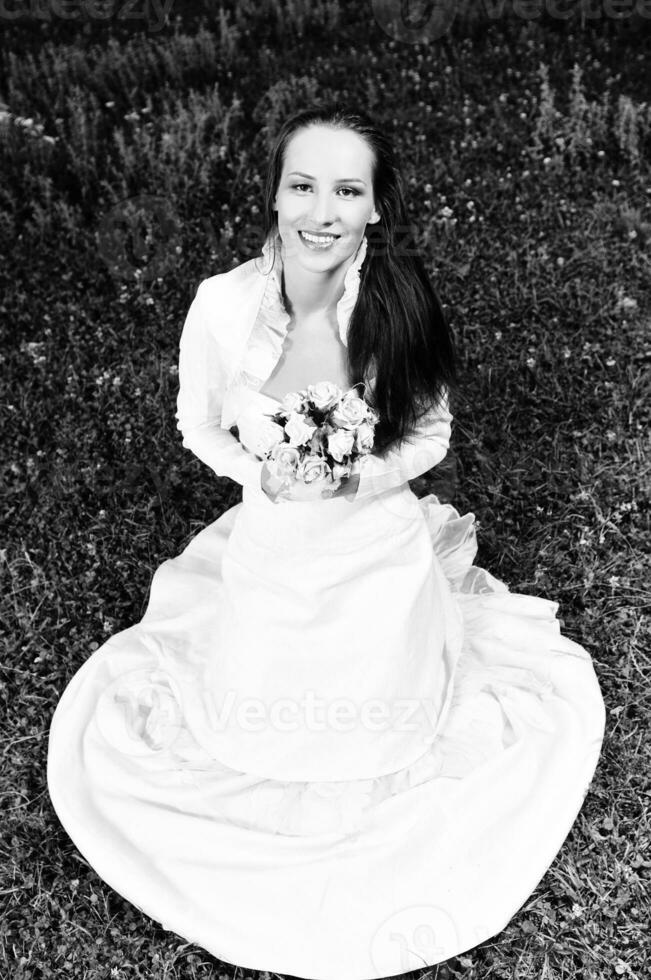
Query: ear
x=375 y=217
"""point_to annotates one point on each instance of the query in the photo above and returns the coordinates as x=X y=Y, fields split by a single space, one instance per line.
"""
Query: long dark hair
x=397 y=326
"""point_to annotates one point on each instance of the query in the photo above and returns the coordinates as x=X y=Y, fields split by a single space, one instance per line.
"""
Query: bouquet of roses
x=318 y=434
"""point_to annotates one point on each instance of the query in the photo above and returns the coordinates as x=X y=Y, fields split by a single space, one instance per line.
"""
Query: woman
x=332 y=747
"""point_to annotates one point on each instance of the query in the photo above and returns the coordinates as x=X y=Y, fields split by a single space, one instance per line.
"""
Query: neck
x=309 y=294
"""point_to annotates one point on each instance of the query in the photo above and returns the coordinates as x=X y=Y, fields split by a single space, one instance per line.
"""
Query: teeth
x=318 y=239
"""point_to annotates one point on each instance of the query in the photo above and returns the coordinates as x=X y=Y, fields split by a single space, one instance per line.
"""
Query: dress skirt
x=333 y=747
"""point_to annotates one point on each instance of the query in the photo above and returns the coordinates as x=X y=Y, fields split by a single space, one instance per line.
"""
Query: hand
x=348 y=485
x=256 y=433
x=325 y=489
x=247 y=431
x=274 y=487
x=292 y=489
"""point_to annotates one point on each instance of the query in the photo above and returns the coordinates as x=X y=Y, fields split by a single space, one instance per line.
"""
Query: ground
x=525 y=147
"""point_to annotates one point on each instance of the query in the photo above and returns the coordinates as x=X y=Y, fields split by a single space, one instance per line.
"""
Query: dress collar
x=273 y=297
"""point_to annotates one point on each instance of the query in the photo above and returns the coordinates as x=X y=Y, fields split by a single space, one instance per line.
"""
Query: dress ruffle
x=264 y=346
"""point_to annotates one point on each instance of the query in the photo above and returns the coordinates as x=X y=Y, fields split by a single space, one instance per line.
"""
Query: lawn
x=525 y=145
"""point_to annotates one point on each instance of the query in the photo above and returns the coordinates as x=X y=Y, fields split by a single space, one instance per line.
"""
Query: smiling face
x=325 y=193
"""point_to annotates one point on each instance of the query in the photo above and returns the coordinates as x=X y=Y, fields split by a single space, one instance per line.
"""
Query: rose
x=340 y=443
x=340 y=472
x=268 y=436
x=312 y=468
x=298 y=430
x=286 y=459
x=364 y=436
x=350 y=413
x=312 y=481
x=324 y=394
x=292 y=402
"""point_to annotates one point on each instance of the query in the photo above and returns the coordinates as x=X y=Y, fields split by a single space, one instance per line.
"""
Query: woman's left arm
x=425 y=447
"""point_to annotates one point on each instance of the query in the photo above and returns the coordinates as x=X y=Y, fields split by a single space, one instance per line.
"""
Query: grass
x=531 y=191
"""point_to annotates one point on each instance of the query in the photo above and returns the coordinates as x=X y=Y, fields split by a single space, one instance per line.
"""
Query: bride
x=333 y=747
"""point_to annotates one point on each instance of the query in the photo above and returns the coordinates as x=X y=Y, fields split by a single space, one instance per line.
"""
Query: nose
x=322 y=210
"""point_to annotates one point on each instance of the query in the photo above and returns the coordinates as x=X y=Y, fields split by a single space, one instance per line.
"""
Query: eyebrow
x=342 y=180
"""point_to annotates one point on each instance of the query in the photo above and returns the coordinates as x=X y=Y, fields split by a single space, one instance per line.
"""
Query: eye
x=352 y=190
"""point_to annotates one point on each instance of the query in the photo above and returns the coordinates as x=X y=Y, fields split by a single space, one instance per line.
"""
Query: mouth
x=320 y=242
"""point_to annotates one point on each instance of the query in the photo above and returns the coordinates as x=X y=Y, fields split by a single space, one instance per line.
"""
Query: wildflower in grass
x=627 y=303
x=35 y=350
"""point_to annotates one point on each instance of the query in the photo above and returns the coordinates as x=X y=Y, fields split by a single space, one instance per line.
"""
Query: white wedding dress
x=333 y=747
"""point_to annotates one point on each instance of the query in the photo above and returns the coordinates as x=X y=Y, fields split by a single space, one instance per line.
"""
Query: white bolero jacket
x=233 y=338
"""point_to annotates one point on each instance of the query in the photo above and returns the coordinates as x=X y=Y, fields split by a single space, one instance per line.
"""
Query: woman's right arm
x=202 y=384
